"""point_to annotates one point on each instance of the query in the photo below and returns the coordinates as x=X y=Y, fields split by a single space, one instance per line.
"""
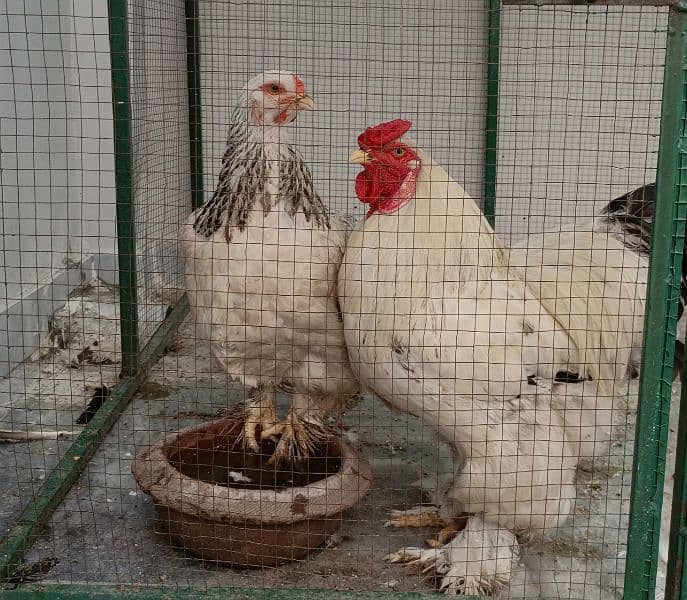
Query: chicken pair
x=439 y=320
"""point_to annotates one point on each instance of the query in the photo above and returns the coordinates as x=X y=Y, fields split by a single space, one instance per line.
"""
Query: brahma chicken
x=592 y=275
x=261 y=261
x=442 y=323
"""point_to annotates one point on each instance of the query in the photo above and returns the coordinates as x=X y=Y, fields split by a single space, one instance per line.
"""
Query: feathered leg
x=299 y=434
x=257 y=412
x=478 y=561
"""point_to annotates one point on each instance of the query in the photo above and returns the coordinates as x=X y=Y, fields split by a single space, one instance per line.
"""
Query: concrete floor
x=104 y=530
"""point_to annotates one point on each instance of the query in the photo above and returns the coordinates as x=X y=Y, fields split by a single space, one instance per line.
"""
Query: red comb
x=300 y=86
x=379 y=135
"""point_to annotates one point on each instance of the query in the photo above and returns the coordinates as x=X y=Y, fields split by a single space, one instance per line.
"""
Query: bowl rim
x=320 y=499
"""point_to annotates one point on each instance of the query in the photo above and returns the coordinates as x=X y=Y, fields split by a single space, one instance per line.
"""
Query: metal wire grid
x=58 y=228
x=160 y=152
x=579 y=113
x=363 y=63
x=350 y=58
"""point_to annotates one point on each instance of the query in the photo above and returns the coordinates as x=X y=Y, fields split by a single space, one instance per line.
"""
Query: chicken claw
x=428 y=516
x=419 y=516
x=257 y=412
x=298 y=438
x=478 y=561
x=257 y=416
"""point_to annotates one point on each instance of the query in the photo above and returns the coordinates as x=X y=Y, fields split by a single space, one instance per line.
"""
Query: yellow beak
x=305 y=103
x=359 y=157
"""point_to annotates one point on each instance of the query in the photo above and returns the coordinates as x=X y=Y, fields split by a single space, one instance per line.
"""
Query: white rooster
x=261 y=261
x=441 y=324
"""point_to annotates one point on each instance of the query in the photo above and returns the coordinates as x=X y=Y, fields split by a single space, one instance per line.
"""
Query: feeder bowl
x=222 y=503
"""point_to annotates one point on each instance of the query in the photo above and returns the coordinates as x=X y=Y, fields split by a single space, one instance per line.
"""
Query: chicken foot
x=479 y=560
x=298 y=438
x=257 y=412
x=418 y=516
x=428 y=516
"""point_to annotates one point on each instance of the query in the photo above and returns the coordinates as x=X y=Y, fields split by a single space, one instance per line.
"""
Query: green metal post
x=126 y=230
x=676 y=579
x=194 y=108
x=661 y=321
x=492 y=124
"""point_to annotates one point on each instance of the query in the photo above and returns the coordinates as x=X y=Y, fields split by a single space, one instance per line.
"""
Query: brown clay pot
x=280 y=516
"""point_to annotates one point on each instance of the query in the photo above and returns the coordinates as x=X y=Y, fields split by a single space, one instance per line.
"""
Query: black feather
x=633 y=213
x=100 y=395
x=242 y=179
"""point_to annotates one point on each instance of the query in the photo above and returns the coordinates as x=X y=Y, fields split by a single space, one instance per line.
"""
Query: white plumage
x=443 y=322
x=595 y=287
x=261 y=261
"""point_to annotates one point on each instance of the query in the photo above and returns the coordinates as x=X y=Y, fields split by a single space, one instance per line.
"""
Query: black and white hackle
x=632 y=215
x=251 y=151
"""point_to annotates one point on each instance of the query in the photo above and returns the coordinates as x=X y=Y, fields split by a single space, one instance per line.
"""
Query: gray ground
x=104 y=530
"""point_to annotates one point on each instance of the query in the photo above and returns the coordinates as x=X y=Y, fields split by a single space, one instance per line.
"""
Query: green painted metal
x=73 y=463
x=492 y=124
x=194 y=107
x=593 y=2
x=74 y=592
x=661 y=321
x=676 y=582
x=676 y=578
x=126 y=229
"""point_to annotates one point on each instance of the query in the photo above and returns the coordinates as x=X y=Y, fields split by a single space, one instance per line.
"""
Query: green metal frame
x=126 y=228
x=194 y=107
x=676 y=185
x=492 y=123
x=661 y=319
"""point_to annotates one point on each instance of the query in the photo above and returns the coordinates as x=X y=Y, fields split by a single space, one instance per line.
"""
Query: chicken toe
x=418 y=516
x=298 y=438
x=257 y=414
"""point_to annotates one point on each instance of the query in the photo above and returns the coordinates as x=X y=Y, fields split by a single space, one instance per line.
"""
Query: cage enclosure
x=483 y=304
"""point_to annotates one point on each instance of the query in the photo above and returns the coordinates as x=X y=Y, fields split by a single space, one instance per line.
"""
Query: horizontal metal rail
x=679 y=4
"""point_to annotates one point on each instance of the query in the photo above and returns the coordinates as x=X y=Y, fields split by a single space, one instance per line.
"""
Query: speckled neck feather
x=244 y=175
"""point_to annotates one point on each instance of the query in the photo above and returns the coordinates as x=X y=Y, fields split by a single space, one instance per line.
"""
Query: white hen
x=261 y=261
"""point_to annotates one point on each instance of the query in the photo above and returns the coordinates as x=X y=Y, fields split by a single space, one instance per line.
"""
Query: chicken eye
x=399 y=151
x=274 y=89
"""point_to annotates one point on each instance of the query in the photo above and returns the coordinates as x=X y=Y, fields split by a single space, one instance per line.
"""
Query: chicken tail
x=632 y=217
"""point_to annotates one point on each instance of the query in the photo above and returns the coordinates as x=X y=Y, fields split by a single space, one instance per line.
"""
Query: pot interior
x=214 y=456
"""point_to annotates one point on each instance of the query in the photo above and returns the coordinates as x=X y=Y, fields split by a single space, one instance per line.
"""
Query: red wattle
x=362 y=187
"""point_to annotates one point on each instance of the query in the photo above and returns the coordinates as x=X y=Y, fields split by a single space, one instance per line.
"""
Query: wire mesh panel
x=59 y=322
x=374 y=391
x=363 y=63
x=160 y=151
x=579 y=112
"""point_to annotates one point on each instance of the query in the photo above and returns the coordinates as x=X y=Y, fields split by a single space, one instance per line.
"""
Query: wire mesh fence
x=453 y=409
